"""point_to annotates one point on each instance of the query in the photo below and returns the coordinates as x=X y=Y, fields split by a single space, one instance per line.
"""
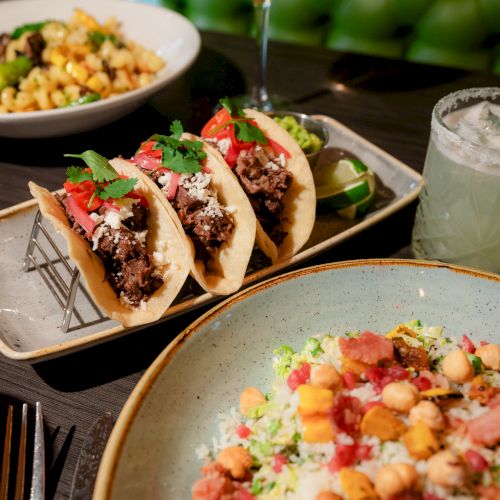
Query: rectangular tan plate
x=30 y=318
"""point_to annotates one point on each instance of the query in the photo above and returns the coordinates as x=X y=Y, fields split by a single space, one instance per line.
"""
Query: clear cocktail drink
x=458 y=219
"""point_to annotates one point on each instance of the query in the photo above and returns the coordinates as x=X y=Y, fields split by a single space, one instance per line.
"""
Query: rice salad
x=413 y=414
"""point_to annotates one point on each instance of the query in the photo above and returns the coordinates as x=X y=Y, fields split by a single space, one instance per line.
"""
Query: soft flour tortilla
x=162 y=237
x=224 y=273
x=299 y=212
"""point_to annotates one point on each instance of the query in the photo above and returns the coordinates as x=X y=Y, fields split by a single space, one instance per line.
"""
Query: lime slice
x=347 y=187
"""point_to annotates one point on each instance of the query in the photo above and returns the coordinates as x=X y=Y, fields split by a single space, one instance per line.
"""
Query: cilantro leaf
x=101 y=169
x=183 y=165
x=226 y=105
x=180 y=156
x=117 y=189
x=176 y=129
x=76 y=175
x=247 y=132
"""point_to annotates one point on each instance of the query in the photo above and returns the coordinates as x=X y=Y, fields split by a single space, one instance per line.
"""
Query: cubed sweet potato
x=317 y=429
x=381 y=422
x=356 y=485
x=314 y=400
x=420 y=441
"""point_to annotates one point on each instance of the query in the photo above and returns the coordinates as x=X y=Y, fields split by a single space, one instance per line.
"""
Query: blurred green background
x=454 y=33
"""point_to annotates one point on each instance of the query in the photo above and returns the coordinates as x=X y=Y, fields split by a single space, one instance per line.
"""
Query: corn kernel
x=77 y=71
x=81 y=17
x=57 y=59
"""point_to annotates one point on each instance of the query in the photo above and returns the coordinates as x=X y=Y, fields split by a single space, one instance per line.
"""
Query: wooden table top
x=387 y=102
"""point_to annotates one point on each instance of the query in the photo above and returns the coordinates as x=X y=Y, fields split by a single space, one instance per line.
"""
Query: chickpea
x=394 y=479
x=236 y=460
x=490 y=356
x=429 y=413
x=327 y=495
x=445 y=469
x=400 y=396
x=250 y=398
x=457 y=367
x=326 y=377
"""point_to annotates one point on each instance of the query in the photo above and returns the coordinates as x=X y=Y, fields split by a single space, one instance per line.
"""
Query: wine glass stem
x=259 y=91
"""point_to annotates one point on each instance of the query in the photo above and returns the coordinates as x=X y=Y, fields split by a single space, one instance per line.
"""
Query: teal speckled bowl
x=173 y=409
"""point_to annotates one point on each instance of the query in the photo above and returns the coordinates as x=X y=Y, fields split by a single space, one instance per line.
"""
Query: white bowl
x=169 y=34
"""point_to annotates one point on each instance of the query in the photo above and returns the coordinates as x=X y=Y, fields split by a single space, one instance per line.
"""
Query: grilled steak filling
x=203 y=218
x=130 y=269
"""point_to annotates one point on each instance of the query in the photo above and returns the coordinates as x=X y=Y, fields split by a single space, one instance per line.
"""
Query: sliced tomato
x=136 y=196
x=278 y=147
x=221 y=117
x=147 y=147
x=80 y=214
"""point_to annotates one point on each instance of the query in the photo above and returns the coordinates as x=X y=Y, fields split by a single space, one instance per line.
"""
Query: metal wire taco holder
x=63 y=289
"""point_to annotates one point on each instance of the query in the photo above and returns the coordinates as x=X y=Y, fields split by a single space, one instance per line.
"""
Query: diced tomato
x=398 y=372
x=421 y=383
x=349 y=380
x=81 y=215
x=82 y=192
x=476 y=461
x=300 y=376
x=347 y=455
x=370 y=405
x=381 y=376
x=363 y=452
x=221 y=117
x=430 y=496
x=346 y=414
x=278 y=462
x=467 y=345
x=147 y=147
x=243 y=494
x=242 y=431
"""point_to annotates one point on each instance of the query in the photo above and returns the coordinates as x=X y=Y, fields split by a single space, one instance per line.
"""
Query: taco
x=274 y=173
x=120 y=237
x=207 y=204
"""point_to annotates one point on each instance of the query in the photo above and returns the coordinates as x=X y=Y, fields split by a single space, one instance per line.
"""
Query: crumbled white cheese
x=282 y=160
x=272 y=166
x=96 y=217
x=223 y=145
x=230 y=209
x=141 y=236
x=98 y=234
x=212 y=209
x=164 y=180
x=112 y=219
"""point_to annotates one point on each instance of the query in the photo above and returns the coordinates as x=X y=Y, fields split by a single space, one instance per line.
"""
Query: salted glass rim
x=449 y=103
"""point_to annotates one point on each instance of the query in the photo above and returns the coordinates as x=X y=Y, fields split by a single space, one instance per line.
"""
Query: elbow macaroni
x=76 y=61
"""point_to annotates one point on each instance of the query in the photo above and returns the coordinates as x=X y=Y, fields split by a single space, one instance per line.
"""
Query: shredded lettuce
x=313 y=347
x=282 y=360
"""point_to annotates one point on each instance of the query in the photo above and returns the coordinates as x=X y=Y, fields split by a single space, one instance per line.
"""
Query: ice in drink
x=458 y=219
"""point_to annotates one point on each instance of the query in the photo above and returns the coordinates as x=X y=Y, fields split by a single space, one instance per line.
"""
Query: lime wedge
x=347 y=187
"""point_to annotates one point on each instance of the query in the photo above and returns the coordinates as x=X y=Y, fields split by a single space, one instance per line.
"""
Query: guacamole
x=309 y=142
